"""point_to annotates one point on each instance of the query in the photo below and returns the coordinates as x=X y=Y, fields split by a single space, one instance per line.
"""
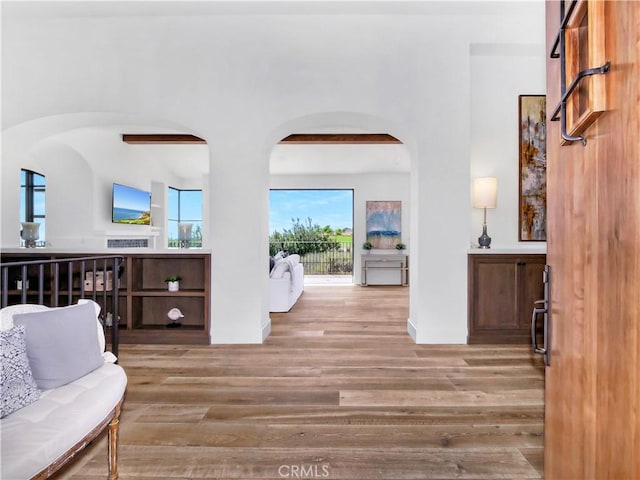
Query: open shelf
x=144 y=299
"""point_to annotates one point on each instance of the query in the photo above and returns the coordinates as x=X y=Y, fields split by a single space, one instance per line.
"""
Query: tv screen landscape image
x=130 y=205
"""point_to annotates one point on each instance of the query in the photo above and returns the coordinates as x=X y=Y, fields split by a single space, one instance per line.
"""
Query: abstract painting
x=532 y=215
x=383 y=223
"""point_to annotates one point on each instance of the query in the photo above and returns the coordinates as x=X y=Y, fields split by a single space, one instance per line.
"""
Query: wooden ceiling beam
x=339 y=138
x=296 y=138
x=160 y=138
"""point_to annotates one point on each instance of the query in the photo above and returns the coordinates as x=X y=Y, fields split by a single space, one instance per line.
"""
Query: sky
x=131 y=198
x=324 y=207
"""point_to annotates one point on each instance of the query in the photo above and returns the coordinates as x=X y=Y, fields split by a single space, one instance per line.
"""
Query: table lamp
x=485 y=196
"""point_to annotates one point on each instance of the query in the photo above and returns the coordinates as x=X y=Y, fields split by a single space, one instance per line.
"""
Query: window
x=185 y=206
x=317 y=224
x=32 y=201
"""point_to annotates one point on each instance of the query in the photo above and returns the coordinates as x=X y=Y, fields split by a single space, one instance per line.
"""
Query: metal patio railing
x=330 y=257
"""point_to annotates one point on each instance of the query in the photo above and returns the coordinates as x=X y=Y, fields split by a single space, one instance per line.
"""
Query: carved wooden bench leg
x=112 y=439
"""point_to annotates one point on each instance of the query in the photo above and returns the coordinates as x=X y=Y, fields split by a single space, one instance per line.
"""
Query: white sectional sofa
x=56 y=423
x=286 y=283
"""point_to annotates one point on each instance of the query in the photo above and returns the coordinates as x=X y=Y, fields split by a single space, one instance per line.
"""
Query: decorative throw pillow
x=293 y=259
x=62 y=344
x=97 y=308
x=281 y=254
x=278 y=270
x=17 y=386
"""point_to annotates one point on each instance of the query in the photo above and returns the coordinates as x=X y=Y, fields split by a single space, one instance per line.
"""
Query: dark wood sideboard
x=502 y=292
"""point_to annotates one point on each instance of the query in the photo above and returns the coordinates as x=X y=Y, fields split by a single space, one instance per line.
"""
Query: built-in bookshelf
x=144 y=299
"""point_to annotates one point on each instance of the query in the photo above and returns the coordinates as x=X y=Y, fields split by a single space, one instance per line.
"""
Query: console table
x=385 y=269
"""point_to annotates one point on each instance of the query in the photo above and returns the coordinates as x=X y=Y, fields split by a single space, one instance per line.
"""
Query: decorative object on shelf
x=184 y=234
x=532 y=146
x=485 y=192
x=383 y=223
x=30 y=233
x=401 y=247
x=174 y=315
x=367 y=246
x=98 y=281
x=173 y=283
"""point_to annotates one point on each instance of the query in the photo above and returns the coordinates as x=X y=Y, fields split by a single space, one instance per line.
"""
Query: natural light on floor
x=328 y=280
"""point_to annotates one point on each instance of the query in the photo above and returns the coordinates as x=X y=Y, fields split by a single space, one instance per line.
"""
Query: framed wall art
x=532 y=145
x=383 y=223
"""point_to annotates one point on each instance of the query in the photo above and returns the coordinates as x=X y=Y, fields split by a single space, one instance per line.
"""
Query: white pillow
x=62 y=345
x=294 y=259
x=101 y=339
x=281 y=266
x=7 y=313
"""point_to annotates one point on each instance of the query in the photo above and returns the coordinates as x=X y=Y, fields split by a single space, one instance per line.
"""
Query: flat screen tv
x=130 y=205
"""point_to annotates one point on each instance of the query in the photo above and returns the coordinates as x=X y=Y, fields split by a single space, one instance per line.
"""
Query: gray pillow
x=62 y=344
x=17 y=386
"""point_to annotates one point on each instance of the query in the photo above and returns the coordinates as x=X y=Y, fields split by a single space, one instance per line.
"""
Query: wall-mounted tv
x=130 y=205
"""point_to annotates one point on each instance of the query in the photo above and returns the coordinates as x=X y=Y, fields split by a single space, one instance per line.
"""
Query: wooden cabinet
x=149 y=301
x=144 y=299
x=502 y=292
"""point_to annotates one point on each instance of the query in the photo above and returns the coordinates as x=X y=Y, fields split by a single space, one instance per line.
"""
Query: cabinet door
x=495 y=295
x=502 y=292
x=530 y=288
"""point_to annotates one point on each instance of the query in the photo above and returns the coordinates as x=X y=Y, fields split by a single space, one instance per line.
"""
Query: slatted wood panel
x=592 y=426
x=338 y=390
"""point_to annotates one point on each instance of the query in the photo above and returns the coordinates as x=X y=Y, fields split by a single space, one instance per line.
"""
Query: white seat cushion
x=36 y=435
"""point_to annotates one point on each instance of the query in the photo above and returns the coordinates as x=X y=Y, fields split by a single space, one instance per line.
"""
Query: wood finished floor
x=338 y=391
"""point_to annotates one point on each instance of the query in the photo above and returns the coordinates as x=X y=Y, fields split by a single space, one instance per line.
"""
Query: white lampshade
x=485 y=192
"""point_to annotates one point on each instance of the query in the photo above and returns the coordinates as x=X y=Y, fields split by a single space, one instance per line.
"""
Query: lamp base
x=484 y=240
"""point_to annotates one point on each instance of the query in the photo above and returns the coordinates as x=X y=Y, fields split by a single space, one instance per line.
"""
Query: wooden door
x=592 y=399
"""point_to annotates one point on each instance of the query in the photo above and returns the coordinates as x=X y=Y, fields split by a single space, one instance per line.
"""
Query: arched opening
x=350 y=151
x=88 y=152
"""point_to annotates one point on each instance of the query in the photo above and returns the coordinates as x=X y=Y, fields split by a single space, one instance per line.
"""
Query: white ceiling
x=98 y=8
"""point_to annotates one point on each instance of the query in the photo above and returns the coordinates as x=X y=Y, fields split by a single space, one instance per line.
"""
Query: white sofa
x=286 y=283
x=41 y=437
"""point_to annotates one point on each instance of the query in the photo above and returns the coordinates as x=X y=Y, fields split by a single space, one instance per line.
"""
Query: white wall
x=372 y=186
x=80 y=167
x=243 y=82
x=499 y=73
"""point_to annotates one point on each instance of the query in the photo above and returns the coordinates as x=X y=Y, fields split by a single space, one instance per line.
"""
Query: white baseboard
x=266 y=329
x=412 y=330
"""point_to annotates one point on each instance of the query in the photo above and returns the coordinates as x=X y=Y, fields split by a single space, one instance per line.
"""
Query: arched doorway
x=346 y=150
